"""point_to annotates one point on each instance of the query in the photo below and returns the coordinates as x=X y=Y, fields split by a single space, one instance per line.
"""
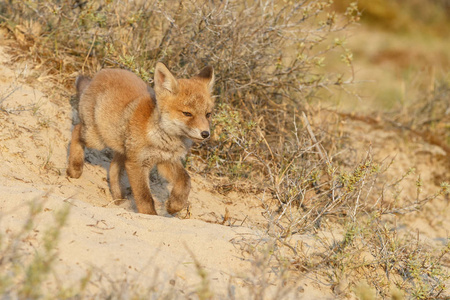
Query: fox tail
x=81 y=84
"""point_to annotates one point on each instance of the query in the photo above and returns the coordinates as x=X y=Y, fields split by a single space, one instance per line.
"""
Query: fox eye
x=208 y=115
x=187 y=114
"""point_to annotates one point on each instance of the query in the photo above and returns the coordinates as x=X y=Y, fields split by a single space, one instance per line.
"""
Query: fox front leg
x=181 y=181
x=115 y=173
x=138 y=176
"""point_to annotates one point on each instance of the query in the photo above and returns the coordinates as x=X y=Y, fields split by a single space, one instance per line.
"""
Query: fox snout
x=201 y=135
x=205 y=134
x=198 y=134
x=199 y=127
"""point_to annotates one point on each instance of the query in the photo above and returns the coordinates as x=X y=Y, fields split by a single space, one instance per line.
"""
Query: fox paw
x=74 y=172
x=175 y=206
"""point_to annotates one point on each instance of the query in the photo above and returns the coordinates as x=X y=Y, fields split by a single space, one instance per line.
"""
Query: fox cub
x=144 y=128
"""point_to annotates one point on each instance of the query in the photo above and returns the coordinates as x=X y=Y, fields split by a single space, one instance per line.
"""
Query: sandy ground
x=126 y=251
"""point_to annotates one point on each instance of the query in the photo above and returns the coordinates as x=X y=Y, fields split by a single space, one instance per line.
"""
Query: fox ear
x=164 y=80
x=207 y=74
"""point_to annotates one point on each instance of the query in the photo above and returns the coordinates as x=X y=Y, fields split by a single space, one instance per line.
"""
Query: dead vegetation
x=270 y=134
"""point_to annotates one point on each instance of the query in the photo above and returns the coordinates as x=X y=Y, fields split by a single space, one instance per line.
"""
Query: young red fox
x=144 y=128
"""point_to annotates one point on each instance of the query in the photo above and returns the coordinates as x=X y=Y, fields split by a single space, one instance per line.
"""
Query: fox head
x=184 y=105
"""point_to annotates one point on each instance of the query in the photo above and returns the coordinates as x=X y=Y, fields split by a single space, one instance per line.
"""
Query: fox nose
x=205 y=134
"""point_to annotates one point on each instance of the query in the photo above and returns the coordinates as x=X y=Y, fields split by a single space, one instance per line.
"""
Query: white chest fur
x=163 y=147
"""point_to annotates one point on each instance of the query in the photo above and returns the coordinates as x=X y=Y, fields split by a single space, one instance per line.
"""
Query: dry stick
x=113 y=201
x=226 y=217
x=267 y=144
x=313 y=138
x=425 y=135
x=89 y=52
x=168 y=32
x=323 y=155
x=9 y=93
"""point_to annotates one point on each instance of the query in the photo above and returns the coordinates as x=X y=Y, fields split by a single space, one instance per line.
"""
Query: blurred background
x=401 y=49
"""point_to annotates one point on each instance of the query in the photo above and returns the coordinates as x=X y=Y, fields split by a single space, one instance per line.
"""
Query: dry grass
x=270 y=134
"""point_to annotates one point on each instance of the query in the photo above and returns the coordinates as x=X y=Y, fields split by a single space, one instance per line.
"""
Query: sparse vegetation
x=25 y=279
x=271 y=135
